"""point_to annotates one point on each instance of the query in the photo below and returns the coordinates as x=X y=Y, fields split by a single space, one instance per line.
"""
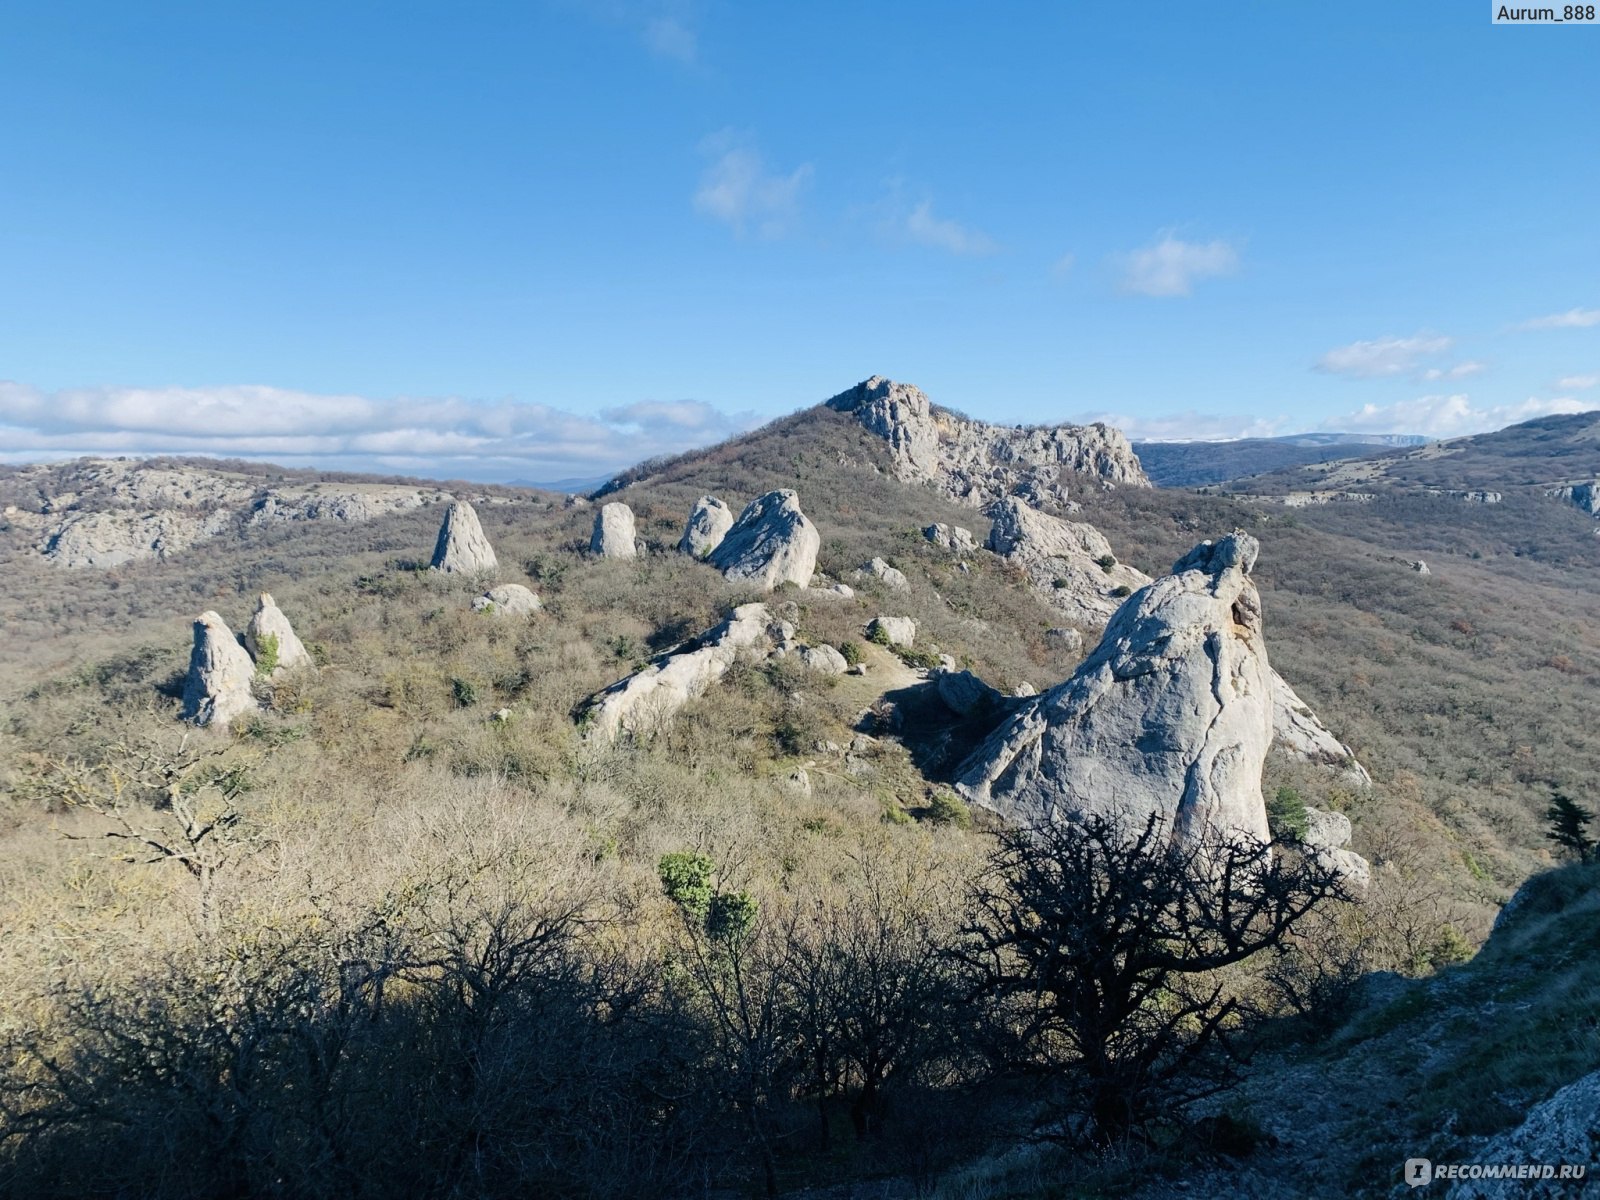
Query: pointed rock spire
x=218 y=687
x=614 y=535
x=462 y=547
x=772 y=542
x=269 y=633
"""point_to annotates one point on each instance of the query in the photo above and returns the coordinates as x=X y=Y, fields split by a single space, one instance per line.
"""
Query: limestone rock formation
x=218 y=685
x=1563 y=1129
x=1297 y=732
x=950 y=537
x=508 y=600
x=614 y=535
x=462 y=548
x=640 y=704
x=980 y=463
x=963 y=692
x=891 y=578
x=709 y=522
x=1069 y=563
x=823 y=659
x=269 y=622
x=109 y=539
x=1328 y=838
x=1170 y=716
x=772 y=542
x=1584 y=496
x=892 y=631
x=1066 y=639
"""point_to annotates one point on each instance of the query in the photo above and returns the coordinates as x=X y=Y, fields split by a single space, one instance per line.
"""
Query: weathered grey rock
x=772 y=542
x=964 y=693
x=641 y=703
x=1066 y=639
x=892 y=631
x=798 y=781
x=1420 y=567
x=508 y=600
x=1584 y=496
x=614 y=535
x=462 y=548
x=269 y=622
x=1170 y=716
x=823 y=659
x=950 y=537
x=348 y=503
x=1298 y=732
x=1468 y=497
x=1024 y=689
x=709 y=522
x=980 y=463
x=1069 y=563
x=1327 y=837
x=828 y=589
x=109 y=539
x=1563 y=1129
x=218 y=685
x=891 y=578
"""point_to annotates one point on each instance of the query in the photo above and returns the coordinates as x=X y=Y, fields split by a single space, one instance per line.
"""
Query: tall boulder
x=614 y=535
x=709 y=522
x=772 y=542
x=1170 y=716
x=218 y=685
x=462 y=548
x=270 y=627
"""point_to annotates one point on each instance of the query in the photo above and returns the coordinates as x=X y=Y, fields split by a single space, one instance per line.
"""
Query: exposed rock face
x=1298 y=733
x=1170 y=716
x=891 y=578
x=709 y=522
x=218 y=686
x=772 y=542
x=1475 y=497
x=1327 y=836
x=963 y=692
x=1564 y=1129
x=640 y=704
x=109 y=539
x=269 y=622
x=1584 y=496
x=346 y=504
x=1065 y=560
x=462 y=548
x=508 y=600
x=950 y=537
x=980 y=463
x=614 y=535
x=823 y=659
x=892 y=631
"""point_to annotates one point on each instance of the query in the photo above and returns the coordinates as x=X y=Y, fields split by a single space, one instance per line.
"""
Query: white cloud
x=1171 y=267
x=669 y=37
x=1385 y=356
x=1446 y=416
x=738 y=190
x=1188 y=426
x=1573 y=318
x=447 y=437
x=1577 y=383
x=1461 y=370
x=923 y=227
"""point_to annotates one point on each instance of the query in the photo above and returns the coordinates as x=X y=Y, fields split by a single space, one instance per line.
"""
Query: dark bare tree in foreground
x=1098 y=946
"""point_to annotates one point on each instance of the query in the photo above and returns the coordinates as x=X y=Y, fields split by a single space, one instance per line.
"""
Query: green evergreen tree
x=1569 y=823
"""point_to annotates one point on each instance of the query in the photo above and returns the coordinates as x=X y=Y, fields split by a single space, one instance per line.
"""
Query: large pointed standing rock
x=614 y=535
x=772 y=542
x=462 y=547
x=218 y=687
x=269 y=622
x=1170 y=716
x=709 y=522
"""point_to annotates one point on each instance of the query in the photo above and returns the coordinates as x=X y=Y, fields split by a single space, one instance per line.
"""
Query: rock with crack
x=1069 y=563
x=1327 y=838
x=269 y=627
x=217 y=688
x=1170 y=716
x=771 y=543
x=709 y=522
x=1298 y=733
x=950 y=537
x=890 y=577
x=643 y=702
x=979 y=463
x=892 y=631
x=462 y=548
x=508 y=600
x=613 y=535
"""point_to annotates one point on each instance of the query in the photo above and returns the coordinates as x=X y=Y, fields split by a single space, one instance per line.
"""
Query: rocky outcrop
x=1584 y=496
x=640 y=704
x=614 y=535
x=508 y=600
x=1297 y=732
x=772 y=542
x=217 y=688
x=109 y=539
x=825 y=660
x=890 y=577
x=1327 y=838
x=950 y=537
x=1563 y=1129
x=709 y=522
x=1466 y=497
x=270 y=636
x=462 y=548
x=963 y=693
x=892 y=631
x=1069 y=563
x=979 y=463
x=1170 y=716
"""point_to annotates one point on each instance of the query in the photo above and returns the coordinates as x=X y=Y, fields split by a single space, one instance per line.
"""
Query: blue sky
x=544 y=239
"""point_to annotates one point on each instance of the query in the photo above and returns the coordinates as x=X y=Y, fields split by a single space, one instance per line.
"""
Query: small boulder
x=1420 y=567
x=613 y=535
x=798 y=782
x=963 y=692
x=508 y=600
x=892 y=631
x=462 y=548
x=951 y=537
x=709 y=522
x=1326 y=838
x=892 y=579
x=218 y=685
x=269 y=633
x=823 y=659
x=1065 y=639
x=772 y=542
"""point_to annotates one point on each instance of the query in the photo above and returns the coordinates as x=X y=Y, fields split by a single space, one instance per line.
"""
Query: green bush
x=730 y=916
x=1121 y=590
x=686 y=879
x=464 y=691
x=912 y=657
x=949 y=809
x=1107 y=561
x=1286 y=814
x=878 y=635
x=851 y=652
x=266 y=655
